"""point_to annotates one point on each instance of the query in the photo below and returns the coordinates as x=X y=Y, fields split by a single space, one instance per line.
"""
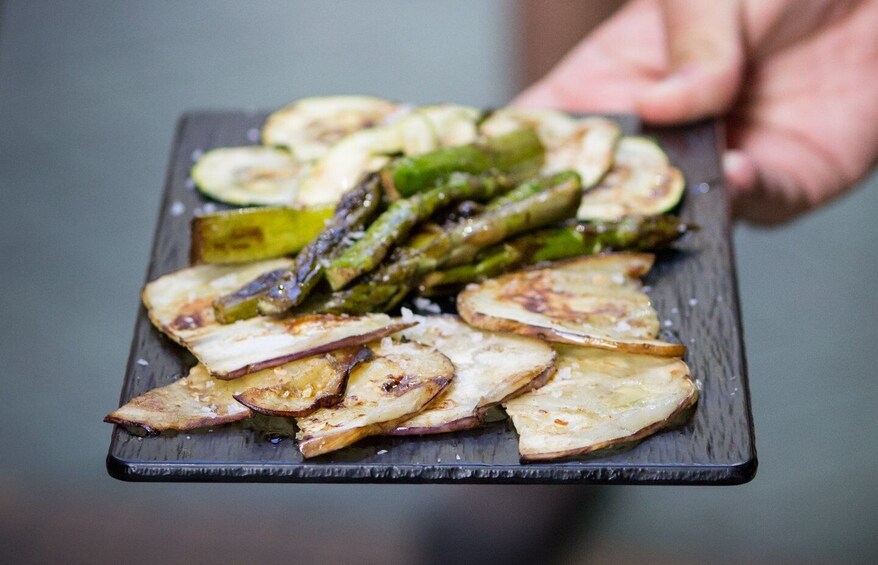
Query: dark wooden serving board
x=694 y=290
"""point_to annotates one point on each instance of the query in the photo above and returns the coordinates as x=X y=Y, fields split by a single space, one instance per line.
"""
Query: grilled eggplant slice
x=180 y=303
x=199 y=400
x=488 y=369
x=642 y=182
x=397 y=383
x=232 y=350
x=310 y=126
x=305 y=385
x=598 y=400
x=196 y=401
x=251 y=175
x=592 y=301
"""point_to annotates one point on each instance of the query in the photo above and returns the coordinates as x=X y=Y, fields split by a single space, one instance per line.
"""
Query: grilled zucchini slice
x=251 y=175
x=642 y=182
x=310 y=126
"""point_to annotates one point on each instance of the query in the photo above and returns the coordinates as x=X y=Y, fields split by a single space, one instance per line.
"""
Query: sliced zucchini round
x=642 y=182
x=250 y=175
x=310 y=126
x=346 y=162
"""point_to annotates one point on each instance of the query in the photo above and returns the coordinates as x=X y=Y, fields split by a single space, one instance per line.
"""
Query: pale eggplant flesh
x=180 y=303
x=232 y=350
x=397 y=383
x=200 y=400
x=600 y=400
x=489 y=368
x=590 y=301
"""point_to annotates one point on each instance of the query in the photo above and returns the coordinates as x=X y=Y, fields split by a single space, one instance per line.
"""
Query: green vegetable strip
x=282 y=290
x=518 y=154
x=397 y=222
x=253 y=234
x=384 y=288
x=241 y=304
x=627 y=234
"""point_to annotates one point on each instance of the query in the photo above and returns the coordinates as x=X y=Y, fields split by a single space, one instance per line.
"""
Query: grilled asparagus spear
x=241 y=304
x=399 y=219
x=384 y=288
x=551 y=244
x=518 y=153
x=276 y=292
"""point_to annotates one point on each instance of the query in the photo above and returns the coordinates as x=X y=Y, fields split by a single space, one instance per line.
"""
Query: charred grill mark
x=304 y=324
x=195 y=314
x=398 y=385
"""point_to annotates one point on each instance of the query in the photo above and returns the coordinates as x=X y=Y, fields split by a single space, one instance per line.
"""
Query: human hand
x=797 y=82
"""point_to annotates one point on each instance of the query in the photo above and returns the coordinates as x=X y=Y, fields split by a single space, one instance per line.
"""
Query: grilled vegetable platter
x=372 y=269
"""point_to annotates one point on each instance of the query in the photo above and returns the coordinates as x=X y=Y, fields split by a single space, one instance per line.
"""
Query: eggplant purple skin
x=325 y=348
x=361 y=356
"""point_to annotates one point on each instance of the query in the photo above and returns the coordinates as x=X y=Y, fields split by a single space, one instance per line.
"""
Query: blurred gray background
x=89 y=94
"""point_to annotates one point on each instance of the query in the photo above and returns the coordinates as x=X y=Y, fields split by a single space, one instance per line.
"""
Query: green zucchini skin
x=642 y=182
x=253 y=234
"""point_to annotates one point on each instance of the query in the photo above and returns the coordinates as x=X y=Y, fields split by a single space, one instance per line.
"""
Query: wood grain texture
x=694 y=289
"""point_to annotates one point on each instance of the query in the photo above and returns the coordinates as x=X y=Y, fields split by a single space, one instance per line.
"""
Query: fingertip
x=538 y=95
x=740 y=171
x=690 y=94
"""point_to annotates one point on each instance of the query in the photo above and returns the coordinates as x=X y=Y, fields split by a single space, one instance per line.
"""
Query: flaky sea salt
x=381 y=452
x=142 y=362
x=427 y=305
x=693 y=301
x=667 y=323
x=177 y=208
x=407 y=315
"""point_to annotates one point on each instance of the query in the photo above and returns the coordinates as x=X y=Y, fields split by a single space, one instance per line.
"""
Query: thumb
x=706 y=61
